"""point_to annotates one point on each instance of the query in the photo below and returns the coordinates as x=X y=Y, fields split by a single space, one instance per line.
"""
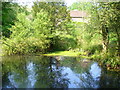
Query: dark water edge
x=55 y=72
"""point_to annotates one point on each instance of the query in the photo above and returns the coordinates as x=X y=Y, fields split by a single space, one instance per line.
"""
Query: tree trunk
x=118 y=46
x=118 y=42
x=105 y=38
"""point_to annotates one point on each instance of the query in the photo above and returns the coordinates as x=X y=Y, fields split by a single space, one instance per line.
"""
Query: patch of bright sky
x=30 y=2
x=70 y=2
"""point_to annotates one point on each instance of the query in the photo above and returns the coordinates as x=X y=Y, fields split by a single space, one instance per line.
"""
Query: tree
x=8 y=17
x=59 y=18
x=82 y=6
x=28 y=36
x=9 y=14
x=0 y=18
x=107 y=22
x=114 y=21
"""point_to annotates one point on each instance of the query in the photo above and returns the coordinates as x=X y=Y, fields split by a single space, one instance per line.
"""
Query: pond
x=55 y=72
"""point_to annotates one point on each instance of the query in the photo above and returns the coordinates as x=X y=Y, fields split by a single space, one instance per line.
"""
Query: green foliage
x=51 y=29
x=58 y=14
x=60 y=24
x=7 y=19
x=94 y=48
x=101 y=34
x=87 y=40
x=86 y=6
x=46 y=29
x=28 y=36
x=9 y=14
x=64 y=42
x=108 y=24
x=110 y=61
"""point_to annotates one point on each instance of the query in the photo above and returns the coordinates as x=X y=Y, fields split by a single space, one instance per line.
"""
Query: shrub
x=64 y=42
x=28 y=36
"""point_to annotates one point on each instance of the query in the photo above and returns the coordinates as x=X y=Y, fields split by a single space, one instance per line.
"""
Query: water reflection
x=72 y=77
x=90 y=79
x=48 y=72
x=31 y=75
x=95 y=71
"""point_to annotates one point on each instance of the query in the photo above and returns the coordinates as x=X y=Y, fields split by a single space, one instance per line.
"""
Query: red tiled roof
x=78 y=14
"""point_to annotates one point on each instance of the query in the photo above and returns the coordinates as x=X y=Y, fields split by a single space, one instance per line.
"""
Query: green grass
x=63 y=53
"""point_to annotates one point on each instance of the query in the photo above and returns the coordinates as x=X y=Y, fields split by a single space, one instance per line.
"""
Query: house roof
x=78 y=14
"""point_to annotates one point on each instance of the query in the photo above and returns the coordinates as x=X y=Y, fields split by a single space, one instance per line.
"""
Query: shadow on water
x=55 y=72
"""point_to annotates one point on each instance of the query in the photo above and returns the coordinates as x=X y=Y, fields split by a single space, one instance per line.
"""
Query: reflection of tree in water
x=110 y=79
x=32 y=72
x=13 y=66
x=87 y=81
x=81 y=69
x=90 y=78
x=76 y=64
x=45 y=72
x=97 y=78
x=51 y=75
x=0 y=73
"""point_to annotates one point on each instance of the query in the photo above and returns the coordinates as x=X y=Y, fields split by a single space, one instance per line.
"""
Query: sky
x=68 y=2
x=29 y=2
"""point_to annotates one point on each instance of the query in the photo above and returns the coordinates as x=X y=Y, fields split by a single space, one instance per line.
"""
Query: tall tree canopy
x=9 y=14
x=85 y=6
x=8 y=17
x=59 y=17
x=105 y=18
x=58 y=14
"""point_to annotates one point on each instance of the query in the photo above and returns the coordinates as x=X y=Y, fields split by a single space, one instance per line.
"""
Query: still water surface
x=55 y=72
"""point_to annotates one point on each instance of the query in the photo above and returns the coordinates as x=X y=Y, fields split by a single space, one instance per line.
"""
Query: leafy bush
x=95 y=48
x=28 y=36
x=64 y=42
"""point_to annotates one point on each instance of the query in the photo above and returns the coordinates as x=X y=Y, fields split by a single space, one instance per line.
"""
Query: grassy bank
x=63 y=53
x=68 y=53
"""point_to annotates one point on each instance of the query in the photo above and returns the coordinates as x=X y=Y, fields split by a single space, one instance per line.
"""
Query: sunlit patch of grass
x=63 y=53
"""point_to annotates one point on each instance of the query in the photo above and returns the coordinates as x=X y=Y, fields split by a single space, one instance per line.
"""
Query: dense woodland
x=48 y=27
